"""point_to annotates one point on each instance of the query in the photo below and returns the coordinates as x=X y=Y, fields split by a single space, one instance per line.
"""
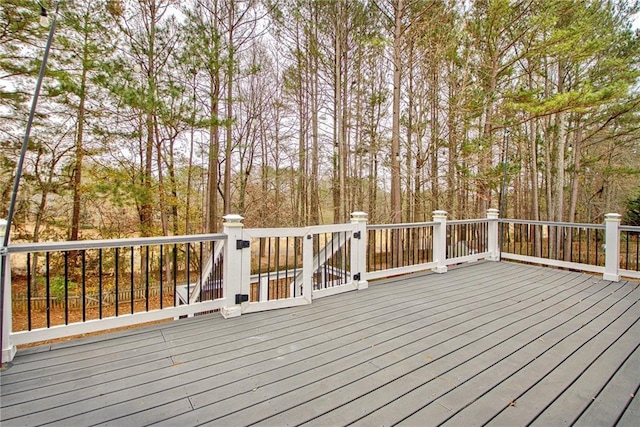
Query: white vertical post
x=440 y=241
x=494 y=235
x=612 y=247
x=8 y=349
x=359 y=249
x=232 y=270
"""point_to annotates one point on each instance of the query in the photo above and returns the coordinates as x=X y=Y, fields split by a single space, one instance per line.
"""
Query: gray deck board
x=439 y=375
x=610 y=402
x=417 y=350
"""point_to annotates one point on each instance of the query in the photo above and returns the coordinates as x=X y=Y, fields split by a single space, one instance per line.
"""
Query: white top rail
x=632 y=228
x=112 y=243
x=402 y=225
x=470 y=221
x=552 y=223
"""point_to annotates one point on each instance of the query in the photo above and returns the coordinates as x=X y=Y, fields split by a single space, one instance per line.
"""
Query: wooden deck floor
x=497 y=343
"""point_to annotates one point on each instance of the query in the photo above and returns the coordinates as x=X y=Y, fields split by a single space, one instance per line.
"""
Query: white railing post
x=8 y=349
x=232 y=270
x=493 y=239
x=359 y=250
x=612 y=247
x=440 y=241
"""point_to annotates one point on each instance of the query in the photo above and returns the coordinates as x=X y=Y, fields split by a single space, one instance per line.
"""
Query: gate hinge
x=356 y=235
x=242 y=244
x=356 y=276
x=240 y=298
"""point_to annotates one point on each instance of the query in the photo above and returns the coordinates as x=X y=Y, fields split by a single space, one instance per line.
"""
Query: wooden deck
x=497 y=343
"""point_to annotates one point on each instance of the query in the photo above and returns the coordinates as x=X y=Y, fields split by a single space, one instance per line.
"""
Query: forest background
x=157 y=117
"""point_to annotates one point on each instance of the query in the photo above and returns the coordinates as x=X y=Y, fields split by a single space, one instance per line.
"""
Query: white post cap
x=361 y=216
x=612 y=217
x=233 y=219
x=493 y=213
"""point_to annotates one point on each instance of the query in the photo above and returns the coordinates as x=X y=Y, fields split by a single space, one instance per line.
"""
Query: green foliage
x=632 y=215
x=57 y=286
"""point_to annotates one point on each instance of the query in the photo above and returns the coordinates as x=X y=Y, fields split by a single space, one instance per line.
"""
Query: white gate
x=288 y=267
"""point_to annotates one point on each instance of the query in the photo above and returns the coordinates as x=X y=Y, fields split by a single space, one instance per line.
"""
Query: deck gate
x=290 y=267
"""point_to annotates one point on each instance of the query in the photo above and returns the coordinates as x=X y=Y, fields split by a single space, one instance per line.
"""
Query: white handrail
x=76 y=245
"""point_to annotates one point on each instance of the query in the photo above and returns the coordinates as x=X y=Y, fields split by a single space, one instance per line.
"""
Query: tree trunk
x=77 y=170
x=229 y=110
x=396 y=194
x=338 y=147
x=314 y=214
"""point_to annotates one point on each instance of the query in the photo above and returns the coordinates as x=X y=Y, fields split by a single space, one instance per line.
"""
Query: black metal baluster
x=200 y=279
x=637 y=251
x=175 y=275
x=269 y=293
x=347 y=260
x=339 y=260
x=277 y=248
x=418 y=241
x=188 y=271
x=331 y=261
x=100 y=283
x=84 y=286
x=286 y=266
x=161 y=268
x=146 y=278
x=626 y=261
x=571 y=241
x=548 y=242
x=29 y=291
x=588 y=244
x=369 y=250
x=131 y=280
x=48 y=290
x=295 y=260
x=404 y=246
x=580 y=236
x=596 y=233
x=386 y=248
x=260 y=249
x=116 y=280
x=411 y=233
x=66 y=287
x=219 y=287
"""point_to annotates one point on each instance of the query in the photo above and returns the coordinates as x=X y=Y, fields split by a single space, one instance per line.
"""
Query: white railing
x=89 y=286
x=608 y=249
x=81 y=287
x=629 y=251
x=567 y=245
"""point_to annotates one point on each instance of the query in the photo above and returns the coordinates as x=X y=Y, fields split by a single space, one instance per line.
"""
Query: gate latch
x=243 y=244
